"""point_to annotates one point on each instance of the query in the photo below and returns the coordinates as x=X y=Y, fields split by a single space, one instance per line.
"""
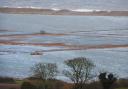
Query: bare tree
x=79 y=71
x=45 y=70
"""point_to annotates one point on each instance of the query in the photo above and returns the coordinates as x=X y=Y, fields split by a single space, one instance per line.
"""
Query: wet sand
x=60 y=12
x=35 y=34
x=66 y=46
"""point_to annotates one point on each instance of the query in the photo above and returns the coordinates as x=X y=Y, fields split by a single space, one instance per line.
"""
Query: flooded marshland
x=29 y=39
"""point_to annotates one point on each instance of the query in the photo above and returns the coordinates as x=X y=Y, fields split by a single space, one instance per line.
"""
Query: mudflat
x=60 y=12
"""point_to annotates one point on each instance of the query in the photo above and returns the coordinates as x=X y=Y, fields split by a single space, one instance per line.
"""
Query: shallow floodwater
x=16 y=59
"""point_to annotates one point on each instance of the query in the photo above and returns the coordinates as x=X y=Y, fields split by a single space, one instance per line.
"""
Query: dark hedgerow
x=6 y=80
x=27 y=85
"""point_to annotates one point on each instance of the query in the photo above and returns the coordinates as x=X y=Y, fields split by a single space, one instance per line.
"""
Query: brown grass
x=9 y=86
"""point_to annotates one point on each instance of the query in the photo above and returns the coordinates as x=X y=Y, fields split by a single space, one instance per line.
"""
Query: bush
x=27 y=85
x=42 y=32
x=54 y=84
x=107 y=80
x=46 y=84
x=6 y=80
x=93 y=85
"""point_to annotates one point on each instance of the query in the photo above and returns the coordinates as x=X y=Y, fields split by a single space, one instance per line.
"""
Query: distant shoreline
x=60 y=12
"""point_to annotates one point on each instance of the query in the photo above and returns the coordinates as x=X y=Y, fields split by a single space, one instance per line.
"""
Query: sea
x=79 y=5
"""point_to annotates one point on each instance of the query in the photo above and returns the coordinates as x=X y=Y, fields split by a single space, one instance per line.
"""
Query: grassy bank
x=10 y=83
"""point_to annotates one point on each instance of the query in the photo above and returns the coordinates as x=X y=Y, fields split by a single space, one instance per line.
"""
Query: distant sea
x=78 y=5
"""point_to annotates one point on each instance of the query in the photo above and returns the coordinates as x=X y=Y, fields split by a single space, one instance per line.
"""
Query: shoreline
x=60 y=12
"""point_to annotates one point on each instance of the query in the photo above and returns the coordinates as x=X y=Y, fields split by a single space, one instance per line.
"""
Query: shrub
x=107 y=80
x=6 y=80
x=46 y=84
x=28 y=85
x=42 y=32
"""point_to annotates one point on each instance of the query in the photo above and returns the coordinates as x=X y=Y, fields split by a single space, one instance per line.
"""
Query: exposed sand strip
x=32 y=44
x=60 y=12
x=66 y=46
x=19 y=36
x=35 y=34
